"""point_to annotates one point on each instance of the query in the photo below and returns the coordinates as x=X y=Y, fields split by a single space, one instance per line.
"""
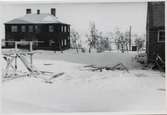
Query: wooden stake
x=15 y=46
x=31 y=53
x=15 y=58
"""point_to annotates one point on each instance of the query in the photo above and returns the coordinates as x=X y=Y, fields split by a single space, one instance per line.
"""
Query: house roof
x=35 y=19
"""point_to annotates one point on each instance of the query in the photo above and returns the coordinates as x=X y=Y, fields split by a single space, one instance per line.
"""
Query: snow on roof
x=35 y=18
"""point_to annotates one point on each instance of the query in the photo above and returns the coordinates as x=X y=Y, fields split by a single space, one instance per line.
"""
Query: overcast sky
x=106 y=16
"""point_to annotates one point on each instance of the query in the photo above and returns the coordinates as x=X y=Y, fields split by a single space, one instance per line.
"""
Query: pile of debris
x=11 y=67
x=157 y=64
x=141 y=58
x=119 y=66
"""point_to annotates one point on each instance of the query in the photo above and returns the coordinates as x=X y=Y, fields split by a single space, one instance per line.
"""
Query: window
x=23 y=28
x=68 y=29
x=11 y=43
x=62 y=44
x=30 y=28
x=37 y=28
x=62 y=27
x=65 y=29
x=14 y=29
x=51 y=42
x=65 y=42
x=161 y=36
x=51 y=28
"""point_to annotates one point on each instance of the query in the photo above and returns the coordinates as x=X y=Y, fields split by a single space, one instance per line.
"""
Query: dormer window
x=51 y=28
x=14 y=29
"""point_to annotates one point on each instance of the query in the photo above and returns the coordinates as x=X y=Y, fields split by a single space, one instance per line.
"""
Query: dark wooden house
x=155 y=31
x=46 y=28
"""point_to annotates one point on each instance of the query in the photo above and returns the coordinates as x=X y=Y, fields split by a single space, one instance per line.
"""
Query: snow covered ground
x=80 y=90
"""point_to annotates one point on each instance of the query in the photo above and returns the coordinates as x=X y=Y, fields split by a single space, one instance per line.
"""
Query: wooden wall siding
x=155 y=22
x=156 y=14
x=42 y=34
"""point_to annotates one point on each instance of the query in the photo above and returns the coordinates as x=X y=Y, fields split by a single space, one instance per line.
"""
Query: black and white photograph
x=82 y=57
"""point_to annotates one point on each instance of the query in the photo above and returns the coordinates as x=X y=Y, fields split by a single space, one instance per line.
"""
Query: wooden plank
x=9 y=64
x=25 y=62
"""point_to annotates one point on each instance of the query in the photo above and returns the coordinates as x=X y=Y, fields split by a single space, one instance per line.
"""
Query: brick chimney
x=53 y=11
x=38 y=11
x=28 y=11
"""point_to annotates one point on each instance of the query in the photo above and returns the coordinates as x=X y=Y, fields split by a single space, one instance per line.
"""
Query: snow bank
x=85 y=91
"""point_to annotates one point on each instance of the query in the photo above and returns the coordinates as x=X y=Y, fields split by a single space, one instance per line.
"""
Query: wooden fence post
x=15 y=46
x=15 y=57
x=31 y=48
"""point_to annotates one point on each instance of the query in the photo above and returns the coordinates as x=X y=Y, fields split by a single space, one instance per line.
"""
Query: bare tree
x=111 y=39
x=127 y=41
x=103 y=43
x=122 y=43
x=74 y=39
x=92 y=36
x=139 y=42
x=121 y=40
x=117 y=35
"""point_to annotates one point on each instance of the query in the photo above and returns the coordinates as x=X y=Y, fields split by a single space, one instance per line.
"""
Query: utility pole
x=130 y=31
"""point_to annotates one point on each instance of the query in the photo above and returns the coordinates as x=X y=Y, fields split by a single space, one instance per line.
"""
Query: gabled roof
x=35 y=19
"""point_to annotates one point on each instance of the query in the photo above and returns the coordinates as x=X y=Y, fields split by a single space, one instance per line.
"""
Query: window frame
x=23 y=29
x=62 y=28
x=51 y=27
x=36 y=28
x=62 y=43
x=68 y=29
x=30 y=29
x=14 y=29
x=158 y=40
x=65 y=42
